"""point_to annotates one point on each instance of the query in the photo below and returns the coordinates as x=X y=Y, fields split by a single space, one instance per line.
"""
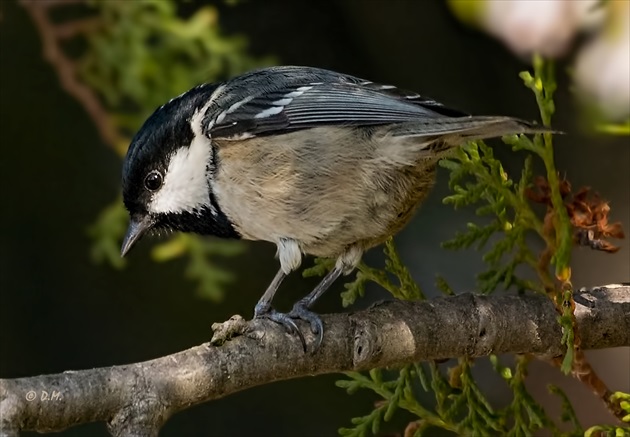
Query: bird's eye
x=153 y=181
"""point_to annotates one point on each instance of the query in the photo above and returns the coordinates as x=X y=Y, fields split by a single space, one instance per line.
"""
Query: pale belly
x=351 y=197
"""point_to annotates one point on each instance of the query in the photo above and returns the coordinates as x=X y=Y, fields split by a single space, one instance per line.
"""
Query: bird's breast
x=325 y=188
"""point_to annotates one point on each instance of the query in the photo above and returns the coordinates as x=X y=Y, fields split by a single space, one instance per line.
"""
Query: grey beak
x=137 y=228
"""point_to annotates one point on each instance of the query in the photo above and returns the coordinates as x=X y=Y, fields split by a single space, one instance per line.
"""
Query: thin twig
x=72 y=29
x=46 y=4
x=51 y=36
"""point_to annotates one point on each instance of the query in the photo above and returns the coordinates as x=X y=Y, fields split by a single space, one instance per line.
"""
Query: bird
x=316 y=162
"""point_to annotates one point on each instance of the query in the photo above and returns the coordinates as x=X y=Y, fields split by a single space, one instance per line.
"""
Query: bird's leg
x=264 y=304
x=301 y=308
x=308 y=300
x=263 y=309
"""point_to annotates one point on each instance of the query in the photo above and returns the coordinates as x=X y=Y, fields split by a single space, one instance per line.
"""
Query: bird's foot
x=282 y=319
x=287 y=320
x=301 y=311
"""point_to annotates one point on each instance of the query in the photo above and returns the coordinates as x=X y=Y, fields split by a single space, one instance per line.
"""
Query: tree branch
x=136 y=399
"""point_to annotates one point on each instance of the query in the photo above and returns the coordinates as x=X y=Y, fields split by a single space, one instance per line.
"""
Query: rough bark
x=136 y=399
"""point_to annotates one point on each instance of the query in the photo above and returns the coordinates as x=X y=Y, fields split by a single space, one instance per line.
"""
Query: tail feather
x=457 y=130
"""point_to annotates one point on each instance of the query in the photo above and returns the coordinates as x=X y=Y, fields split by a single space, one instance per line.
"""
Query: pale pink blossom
x=602 y=69
x=546 y=27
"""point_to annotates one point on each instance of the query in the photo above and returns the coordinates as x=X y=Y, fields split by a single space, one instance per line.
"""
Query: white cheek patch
x=186 y=182
x=185 y=186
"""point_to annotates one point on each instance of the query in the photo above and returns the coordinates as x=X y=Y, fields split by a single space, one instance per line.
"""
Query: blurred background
x=62 y=309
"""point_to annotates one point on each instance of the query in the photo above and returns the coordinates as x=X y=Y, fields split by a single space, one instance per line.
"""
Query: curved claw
x=285 y=321
x=300 y=311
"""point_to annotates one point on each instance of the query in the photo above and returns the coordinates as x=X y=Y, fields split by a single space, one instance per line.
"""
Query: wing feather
x=303 y=97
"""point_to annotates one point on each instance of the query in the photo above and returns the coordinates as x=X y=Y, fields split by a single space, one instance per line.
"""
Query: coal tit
x=314 y=161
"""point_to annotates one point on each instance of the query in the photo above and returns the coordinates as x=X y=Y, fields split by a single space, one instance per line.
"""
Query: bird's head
x=168 y=171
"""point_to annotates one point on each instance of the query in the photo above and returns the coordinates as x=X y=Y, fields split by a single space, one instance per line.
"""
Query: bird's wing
x=321 y=98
